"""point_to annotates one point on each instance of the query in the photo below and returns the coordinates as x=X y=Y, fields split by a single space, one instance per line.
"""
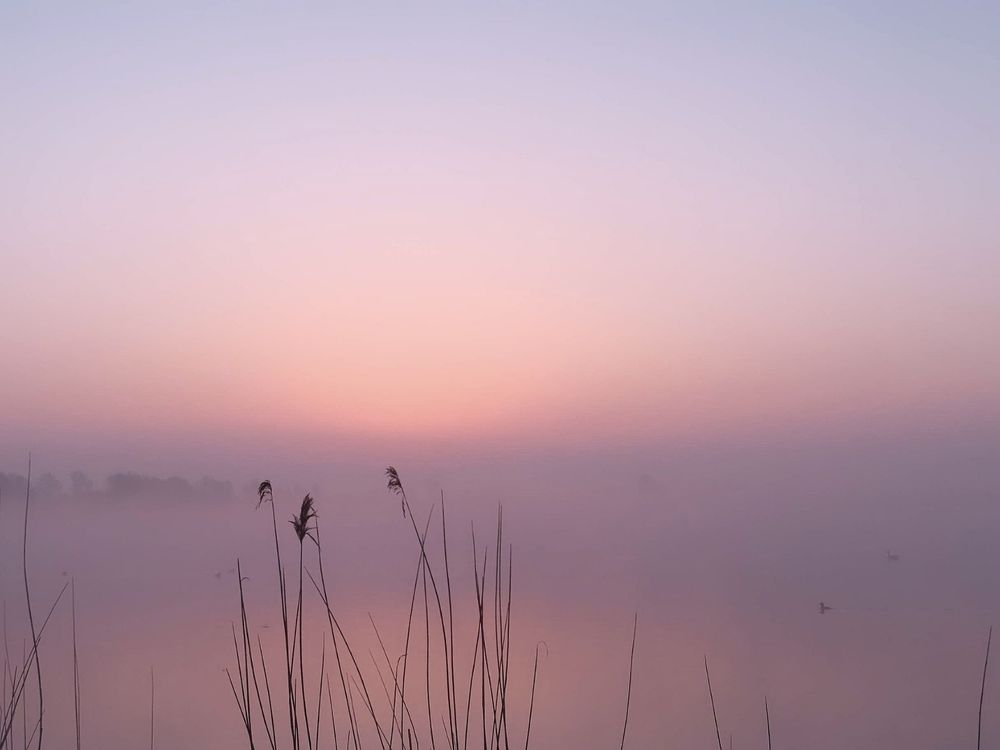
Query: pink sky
x=541 y=227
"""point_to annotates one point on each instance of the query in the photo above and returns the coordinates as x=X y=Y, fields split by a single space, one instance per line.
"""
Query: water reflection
x=894 y=663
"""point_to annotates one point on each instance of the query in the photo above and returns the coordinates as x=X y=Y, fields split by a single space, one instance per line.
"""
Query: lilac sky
x=577 y=225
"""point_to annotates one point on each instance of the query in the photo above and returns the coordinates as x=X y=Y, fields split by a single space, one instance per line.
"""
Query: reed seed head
x=301 y=521
x=395 y=486
x=264 y=494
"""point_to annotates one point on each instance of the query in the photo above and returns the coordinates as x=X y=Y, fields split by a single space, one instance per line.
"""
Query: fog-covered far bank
x=118 y=486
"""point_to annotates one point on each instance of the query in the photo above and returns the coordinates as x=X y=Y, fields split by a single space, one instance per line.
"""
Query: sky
x=530 y=225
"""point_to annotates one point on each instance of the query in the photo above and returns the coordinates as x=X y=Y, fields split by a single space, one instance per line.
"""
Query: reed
x=31 y=617
x=76 y=669
x=711 y=697
x=767 y=723
x=628 y=695
x=395 y=722
x=265 y=494
x=16 y=675
x=982 y=691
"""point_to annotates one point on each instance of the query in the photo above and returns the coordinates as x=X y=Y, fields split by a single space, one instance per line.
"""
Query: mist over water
x=722 y=551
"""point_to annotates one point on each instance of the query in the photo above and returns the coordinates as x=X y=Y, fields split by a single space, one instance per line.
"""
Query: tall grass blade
x=982 y=691
x=631 y=661
x=711 y=695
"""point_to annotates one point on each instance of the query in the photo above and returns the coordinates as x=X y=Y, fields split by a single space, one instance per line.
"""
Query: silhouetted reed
x=711 y=697
x=76 y=668
x=31 y=617
x=16 y=675
x=444 y=722
x=767 y=723
x=982 y=691
x=628 y=695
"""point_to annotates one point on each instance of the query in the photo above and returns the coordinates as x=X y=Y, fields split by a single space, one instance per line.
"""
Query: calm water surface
x=724 y=557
